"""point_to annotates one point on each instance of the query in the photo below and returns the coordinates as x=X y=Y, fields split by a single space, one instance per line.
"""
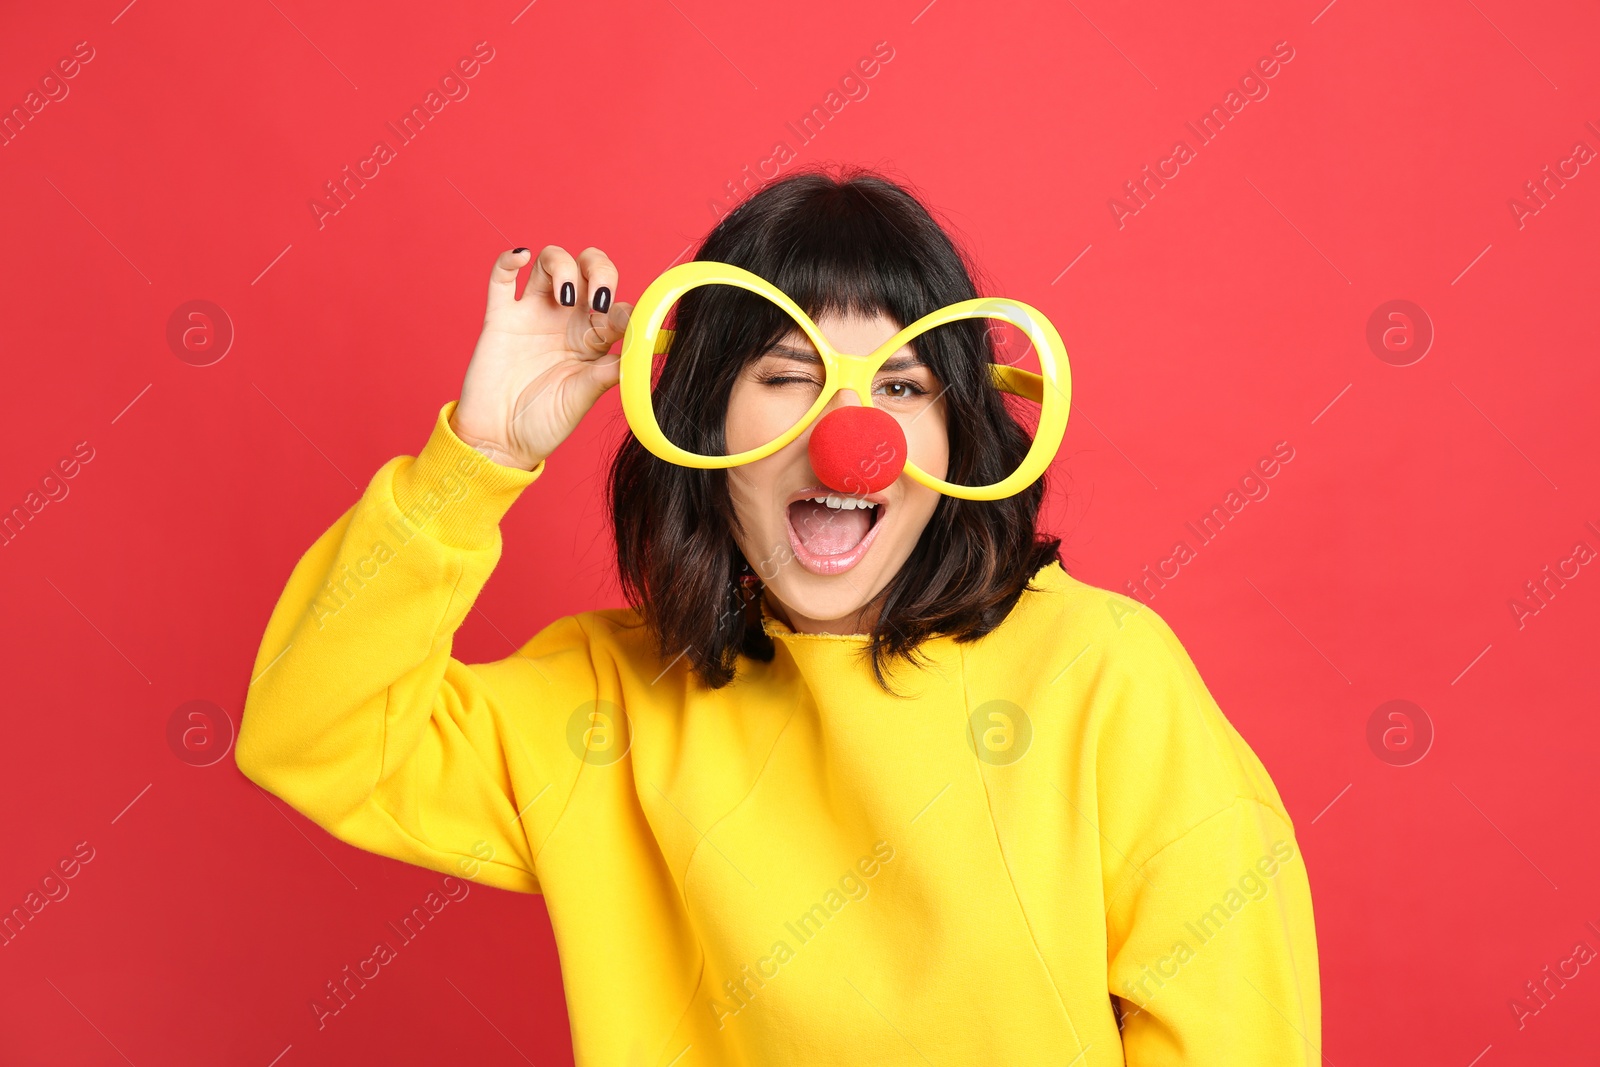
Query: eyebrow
x=807 y=355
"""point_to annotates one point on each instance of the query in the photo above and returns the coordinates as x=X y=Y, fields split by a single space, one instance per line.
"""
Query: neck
x=860 y=621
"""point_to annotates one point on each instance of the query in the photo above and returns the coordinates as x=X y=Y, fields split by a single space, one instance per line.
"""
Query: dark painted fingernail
x=517 y=251
x=602 y=299
x=569 y=295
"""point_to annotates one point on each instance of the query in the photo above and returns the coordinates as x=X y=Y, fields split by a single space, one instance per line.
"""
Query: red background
x=1222 y=318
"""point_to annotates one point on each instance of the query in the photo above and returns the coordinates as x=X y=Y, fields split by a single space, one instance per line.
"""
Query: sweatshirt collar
x=776 y=628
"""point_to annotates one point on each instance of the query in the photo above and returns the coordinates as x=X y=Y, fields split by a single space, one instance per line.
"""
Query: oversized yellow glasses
x=646 y=338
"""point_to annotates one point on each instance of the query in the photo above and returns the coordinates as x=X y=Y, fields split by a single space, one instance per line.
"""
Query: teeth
x=844 y=503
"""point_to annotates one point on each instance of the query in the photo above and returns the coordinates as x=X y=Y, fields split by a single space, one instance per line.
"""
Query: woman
x=847 y=784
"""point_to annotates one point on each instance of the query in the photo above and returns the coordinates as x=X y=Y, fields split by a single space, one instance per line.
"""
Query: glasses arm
x=1023 y=383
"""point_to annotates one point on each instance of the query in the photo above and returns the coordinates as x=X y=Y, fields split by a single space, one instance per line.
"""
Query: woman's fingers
x=606 y=329
x=604 y=372
x=599 y=286
x=503 y=277
x=555 y=277
x=586 y=283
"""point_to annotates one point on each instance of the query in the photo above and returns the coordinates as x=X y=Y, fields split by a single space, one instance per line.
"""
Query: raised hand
x=540 y=363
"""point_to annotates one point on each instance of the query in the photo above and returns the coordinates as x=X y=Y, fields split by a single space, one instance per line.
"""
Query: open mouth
x=831 y=532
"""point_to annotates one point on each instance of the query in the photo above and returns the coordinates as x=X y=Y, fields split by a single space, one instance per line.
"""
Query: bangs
x=846 y=258
x=833 y=253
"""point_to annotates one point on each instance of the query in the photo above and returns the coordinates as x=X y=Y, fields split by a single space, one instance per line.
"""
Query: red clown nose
x=858 y=450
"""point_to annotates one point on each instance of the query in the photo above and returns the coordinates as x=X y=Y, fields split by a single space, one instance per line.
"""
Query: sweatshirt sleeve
x=358 y=716
x=1211 y=940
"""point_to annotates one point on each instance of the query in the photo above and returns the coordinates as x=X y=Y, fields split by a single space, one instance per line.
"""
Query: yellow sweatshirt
x=1055 y=850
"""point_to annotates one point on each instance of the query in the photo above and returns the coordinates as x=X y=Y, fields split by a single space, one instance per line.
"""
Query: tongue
x=826 y=531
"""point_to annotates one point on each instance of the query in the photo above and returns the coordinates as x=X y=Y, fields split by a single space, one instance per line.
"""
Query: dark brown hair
x=856 y=243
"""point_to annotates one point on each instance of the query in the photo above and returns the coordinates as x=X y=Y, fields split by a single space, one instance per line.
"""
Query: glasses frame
x=645 y=338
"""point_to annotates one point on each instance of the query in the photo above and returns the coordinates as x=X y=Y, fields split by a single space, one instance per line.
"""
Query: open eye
x=900 y=389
